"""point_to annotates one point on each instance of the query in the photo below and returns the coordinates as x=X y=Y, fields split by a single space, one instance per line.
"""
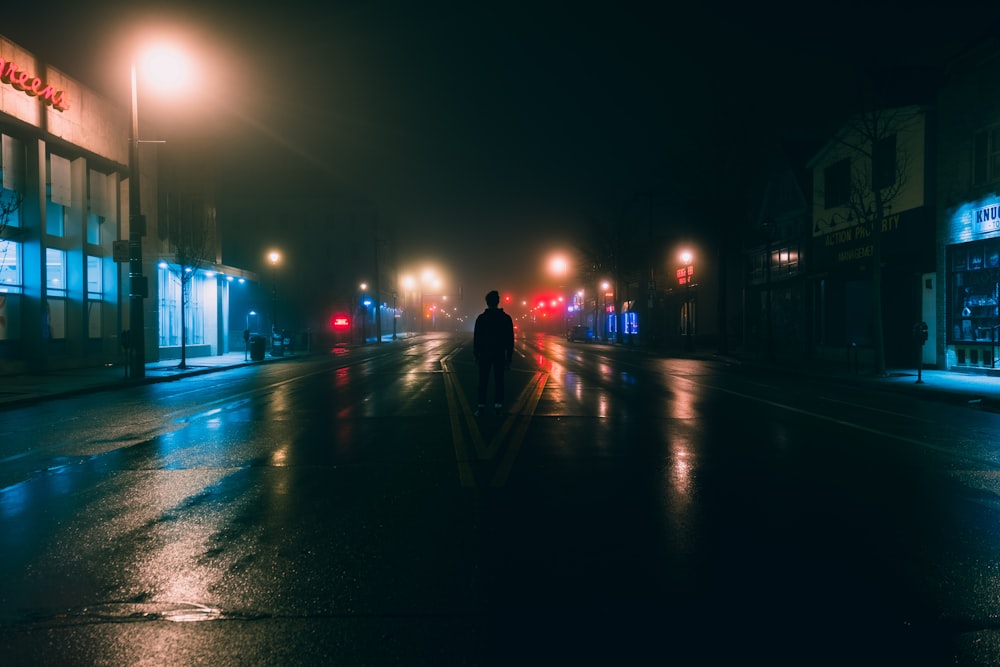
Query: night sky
x=486 y=135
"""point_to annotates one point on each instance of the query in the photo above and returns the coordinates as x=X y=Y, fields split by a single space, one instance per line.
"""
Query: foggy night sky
x=485 y=132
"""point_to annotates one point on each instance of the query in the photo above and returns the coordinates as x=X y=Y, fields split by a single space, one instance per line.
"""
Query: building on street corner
x=63 y=283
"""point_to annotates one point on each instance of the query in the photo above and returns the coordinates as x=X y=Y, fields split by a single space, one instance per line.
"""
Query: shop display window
x=974 y=282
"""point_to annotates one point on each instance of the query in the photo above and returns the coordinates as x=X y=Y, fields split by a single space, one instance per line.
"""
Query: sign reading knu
x=987 y=219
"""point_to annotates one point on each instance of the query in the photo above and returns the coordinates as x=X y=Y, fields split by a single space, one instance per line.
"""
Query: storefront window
x=171 y=294
x=974 y=287
x=55 y=272
x=10 y=267
x=95 y=278
x=170 y=321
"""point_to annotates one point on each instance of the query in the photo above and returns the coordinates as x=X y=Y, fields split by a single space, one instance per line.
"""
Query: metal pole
x=394 y=314
x=136 y=230
x=274 y=303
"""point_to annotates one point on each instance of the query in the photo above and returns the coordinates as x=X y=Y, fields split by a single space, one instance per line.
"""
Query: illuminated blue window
x=10 y=267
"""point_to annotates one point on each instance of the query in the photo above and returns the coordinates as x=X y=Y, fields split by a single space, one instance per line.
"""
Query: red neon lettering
x=32 y=85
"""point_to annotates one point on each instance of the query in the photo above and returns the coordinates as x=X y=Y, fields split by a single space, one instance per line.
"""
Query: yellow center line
x=465 y=475
x=500 y=478
x=520 y=415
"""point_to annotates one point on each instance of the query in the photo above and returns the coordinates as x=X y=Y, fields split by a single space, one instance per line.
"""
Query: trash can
x=257 y=346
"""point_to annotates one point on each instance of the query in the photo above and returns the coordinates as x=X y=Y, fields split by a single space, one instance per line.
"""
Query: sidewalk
x=968 y=388
x=965 y=388
x=20 y=390
x=973 y=389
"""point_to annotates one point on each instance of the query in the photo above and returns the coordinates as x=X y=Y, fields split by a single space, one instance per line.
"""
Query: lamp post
x=274 y=257
x=395 y=314
x=364 y=316
x=428 y=277
x=409 y=283
x=685 y=276
x=168 y=68
x=559 y=267
x=137 y=289
x=604 y=322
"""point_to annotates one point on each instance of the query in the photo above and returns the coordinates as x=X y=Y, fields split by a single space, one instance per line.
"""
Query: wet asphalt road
x=349 y=508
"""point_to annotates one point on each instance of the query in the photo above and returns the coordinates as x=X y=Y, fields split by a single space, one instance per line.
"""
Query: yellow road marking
x=465 y=475
x=500 y=478
x=520 y=414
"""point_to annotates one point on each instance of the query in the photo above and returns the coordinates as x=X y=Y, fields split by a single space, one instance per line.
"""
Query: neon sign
x=685 y=275
x=12 y=74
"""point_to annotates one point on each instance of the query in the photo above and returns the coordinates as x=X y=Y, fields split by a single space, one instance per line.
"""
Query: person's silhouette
x=493 y=347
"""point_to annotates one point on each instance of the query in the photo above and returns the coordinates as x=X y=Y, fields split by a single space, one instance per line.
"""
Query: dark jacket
x=494 y=335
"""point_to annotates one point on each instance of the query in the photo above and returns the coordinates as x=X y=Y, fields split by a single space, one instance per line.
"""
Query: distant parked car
x=580 y=332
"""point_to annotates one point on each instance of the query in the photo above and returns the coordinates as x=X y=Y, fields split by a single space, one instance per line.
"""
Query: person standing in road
x=493 y=347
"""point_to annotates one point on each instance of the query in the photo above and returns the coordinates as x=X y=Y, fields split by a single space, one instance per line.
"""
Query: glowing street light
x=559 y=267
x=154 y=70
x=365 y=301
x=274 y=258
x=685 y=277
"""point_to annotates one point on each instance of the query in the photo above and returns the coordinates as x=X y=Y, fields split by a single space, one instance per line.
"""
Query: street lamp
x=166 y=68
x=428 y=277
x=138 y=289
x=364 y=302
x=604 y=324
x=274 y=257
x=559 y=267
x=685 y=277
x=395 y=314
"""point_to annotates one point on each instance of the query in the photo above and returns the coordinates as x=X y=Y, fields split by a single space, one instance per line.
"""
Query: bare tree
x=878 y=146
x=10 y=202
x=191 y=232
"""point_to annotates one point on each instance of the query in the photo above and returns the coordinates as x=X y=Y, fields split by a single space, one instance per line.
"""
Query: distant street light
x=604 y=324
x=559 y=267
x=428 y=277
x=274 y=257
x=685 y=278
